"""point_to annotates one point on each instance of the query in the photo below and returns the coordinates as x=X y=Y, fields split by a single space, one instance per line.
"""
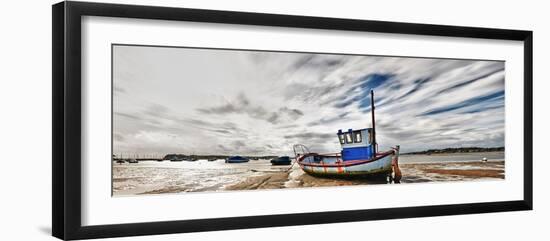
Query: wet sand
x=200 y=176
x=454 y=171
x=412 y=173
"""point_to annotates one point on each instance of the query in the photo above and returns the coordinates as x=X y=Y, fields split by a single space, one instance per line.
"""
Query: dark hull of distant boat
x=278 y=162
x=236 y=161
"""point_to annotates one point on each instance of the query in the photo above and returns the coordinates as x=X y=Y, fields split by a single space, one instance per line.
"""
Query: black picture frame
x=66 y=158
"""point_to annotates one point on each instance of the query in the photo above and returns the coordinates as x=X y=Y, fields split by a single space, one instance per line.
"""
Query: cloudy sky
x=199 y=101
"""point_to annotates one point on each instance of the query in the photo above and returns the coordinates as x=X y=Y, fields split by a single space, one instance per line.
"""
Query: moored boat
x=359 y=156
x=236 y=159
x=174 y=157
x=283 y=160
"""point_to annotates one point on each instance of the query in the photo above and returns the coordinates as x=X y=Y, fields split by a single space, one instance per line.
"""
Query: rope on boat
x=290 y=168
x=304 y=150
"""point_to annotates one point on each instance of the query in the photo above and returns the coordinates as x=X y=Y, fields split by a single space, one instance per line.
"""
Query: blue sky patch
x=473 y=101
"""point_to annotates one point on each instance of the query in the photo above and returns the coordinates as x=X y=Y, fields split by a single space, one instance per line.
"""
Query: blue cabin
x=357 y=144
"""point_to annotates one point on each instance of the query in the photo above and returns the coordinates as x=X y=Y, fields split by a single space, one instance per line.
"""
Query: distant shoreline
x=456 y=150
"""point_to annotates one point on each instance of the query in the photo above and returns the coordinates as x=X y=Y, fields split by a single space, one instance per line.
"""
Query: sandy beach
x=202 y=175
x=412 y=173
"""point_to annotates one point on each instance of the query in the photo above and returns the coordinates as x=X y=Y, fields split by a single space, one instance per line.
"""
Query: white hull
x=334 y=166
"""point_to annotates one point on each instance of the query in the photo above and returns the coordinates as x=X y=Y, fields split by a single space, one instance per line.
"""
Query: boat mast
x=372 y=115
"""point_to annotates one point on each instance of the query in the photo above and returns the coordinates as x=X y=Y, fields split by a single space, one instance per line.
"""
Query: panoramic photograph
x=209 y=120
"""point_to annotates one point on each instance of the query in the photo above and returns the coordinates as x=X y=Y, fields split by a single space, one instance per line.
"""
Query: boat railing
x=300 y=149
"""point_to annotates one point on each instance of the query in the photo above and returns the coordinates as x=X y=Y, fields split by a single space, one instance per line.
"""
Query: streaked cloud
x=181 y=100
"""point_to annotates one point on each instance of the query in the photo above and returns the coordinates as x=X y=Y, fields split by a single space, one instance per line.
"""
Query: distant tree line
x=209 y=157
x=458 y=150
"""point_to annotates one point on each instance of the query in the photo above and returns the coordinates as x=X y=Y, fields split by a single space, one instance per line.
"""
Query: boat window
x=341 y=137
x=357 y=137
x=348 y=138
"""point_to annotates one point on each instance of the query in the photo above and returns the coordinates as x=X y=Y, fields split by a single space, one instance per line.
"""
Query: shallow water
x=454 y=157
x=184 y=176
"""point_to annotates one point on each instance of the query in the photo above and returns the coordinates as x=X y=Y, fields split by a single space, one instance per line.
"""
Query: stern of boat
x=395 y=175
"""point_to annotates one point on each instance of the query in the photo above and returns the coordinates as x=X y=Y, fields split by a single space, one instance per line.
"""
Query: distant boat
x=359 y=156
x=119 y=161
x=132 y=161
x=174 y=157
x=236 y=159
x=283 y=160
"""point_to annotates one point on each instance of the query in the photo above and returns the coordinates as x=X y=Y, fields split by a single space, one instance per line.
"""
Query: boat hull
x=281 y=163
x=332 y=165
x=236 y=161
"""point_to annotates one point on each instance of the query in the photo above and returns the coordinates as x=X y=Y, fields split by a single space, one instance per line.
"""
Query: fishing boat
x=236 y=159
x=174 y=157
x=359 y=156
x=279 y=161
